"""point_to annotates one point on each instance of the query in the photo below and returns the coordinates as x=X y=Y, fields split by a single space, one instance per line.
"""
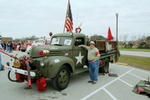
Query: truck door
x=80 y=54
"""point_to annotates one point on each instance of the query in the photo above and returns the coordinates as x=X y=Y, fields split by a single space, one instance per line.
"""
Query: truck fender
x=55 y=63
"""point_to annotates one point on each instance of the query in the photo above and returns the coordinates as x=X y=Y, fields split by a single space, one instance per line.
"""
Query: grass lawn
x=132 y=49
x=135 y=61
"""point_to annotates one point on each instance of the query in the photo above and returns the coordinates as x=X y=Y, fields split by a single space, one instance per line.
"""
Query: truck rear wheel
x=62 y=78
x=106 y=67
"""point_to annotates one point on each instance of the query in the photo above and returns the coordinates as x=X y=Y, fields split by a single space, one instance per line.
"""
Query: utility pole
x=117 y=53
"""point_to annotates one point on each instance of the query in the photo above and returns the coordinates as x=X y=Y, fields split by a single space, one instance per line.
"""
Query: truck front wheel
x=62 y=78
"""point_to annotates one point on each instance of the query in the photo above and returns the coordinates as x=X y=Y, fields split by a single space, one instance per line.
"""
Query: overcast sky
x=21 y=18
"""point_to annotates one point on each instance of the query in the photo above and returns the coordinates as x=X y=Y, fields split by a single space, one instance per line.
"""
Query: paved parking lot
x=107 y=88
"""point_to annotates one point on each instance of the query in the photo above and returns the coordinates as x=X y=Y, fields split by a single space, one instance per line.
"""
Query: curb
x=119 y=63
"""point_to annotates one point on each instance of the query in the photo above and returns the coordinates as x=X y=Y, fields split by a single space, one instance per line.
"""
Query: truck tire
x=106 y=67
x=62 y=79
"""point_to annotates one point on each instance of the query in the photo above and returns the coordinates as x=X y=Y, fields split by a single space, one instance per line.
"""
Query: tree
x=144 y=42
x=148 y=38
x=148 y=41
x=27 y=38
x=125 y=37
x=30 y=38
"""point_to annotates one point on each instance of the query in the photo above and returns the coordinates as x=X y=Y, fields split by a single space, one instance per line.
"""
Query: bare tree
x=125 y=37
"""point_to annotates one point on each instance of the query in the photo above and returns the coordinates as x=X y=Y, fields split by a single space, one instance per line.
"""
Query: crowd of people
x=21 y=45
x=8 y=47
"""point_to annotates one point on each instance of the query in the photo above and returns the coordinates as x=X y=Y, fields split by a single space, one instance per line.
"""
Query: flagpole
x=65 y=16
x=117 y=28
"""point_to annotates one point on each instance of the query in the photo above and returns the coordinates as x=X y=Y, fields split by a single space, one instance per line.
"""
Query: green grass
x=135 y=61
x=134 y=49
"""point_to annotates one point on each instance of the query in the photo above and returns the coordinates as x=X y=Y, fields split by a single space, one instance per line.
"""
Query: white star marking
x=79 y=58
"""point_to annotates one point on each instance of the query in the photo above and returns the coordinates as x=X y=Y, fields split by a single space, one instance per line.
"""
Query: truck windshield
x=61 y=41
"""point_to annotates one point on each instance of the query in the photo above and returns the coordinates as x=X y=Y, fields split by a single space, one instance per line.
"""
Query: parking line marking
x=94 y=92
x=125 y=82
x=141 y=78
x=114 y=98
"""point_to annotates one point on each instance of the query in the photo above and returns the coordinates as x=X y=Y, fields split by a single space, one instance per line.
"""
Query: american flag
x=69 y=19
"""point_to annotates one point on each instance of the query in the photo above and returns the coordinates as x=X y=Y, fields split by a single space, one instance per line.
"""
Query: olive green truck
x=62 y=59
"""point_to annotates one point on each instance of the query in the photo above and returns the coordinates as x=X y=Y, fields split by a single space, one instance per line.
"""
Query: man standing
x=93 y=61
x=11 y=46
x=1 y=66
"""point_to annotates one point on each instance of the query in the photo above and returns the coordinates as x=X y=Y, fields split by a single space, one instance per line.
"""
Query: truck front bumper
x=21 y=71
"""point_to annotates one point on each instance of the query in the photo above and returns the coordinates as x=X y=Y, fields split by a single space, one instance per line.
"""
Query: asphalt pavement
x=107 y=88
x=135 y=53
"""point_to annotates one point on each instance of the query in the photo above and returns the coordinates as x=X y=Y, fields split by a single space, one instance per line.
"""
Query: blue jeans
x=93 y=70
x=1 y=66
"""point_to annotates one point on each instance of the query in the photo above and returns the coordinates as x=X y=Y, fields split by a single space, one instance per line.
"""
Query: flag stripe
x=69 y=25
x=69 y=19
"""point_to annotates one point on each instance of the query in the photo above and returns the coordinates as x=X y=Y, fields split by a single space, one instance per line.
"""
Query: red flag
x=109 y=37
x=69 y=19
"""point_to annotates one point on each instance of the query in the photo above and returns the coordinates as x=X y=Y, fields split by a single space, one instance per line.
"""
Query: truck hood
x=53 y=50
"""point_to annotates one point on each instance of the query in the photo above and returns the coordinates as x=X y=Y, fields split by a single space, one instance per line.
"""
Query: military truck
x=64 y=58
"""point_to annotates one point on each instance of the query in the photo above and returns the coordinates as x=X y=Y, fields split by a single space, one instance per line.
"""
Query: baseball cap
x=92 y=42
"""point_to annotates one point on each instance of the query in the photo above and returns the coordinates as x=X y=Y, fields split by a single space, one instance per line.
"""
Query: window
x=79 y=41
x=61 y=41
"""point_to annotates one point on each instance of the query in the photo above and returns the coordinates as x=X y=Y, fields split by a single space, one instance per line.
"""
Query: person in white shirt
x=1 y=66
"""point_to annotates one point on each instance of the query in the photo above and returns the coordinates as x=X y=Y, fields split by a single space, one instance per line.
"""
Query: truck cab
x=63 y=49
x=62 y=56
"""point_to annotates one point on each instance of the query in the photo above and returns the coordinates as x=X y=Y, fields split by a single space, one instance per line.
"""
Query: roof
x=70 y=34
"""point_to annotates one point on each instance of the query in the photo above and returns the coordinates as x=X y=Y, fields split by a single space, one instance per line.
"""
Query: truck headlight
x=41 y=64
